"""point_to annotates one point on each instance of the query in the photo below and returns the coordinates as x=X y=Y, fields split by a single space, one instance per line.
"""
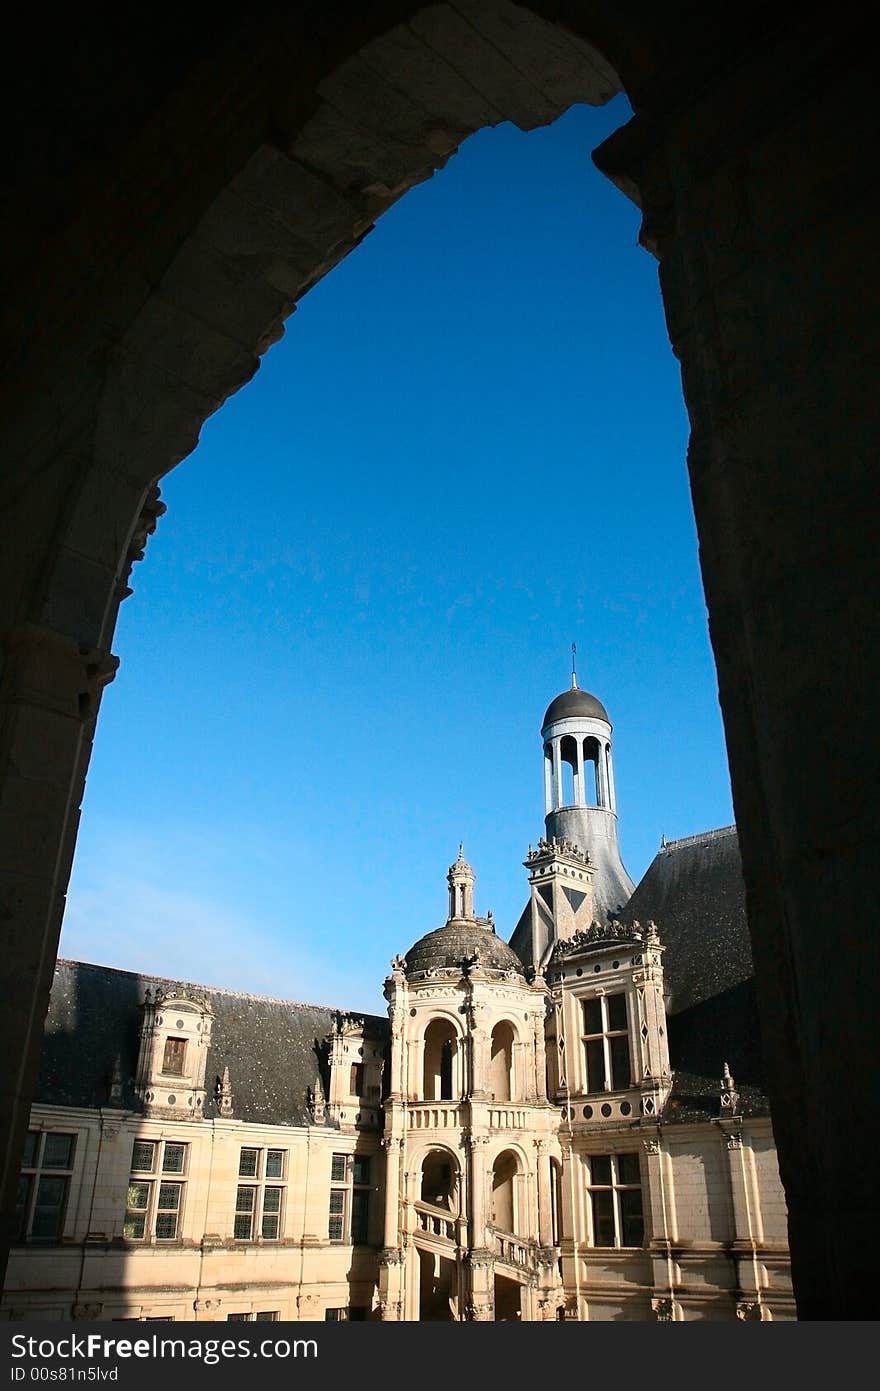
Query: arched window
x=439 y=1185
x=440 y=1070
x=501 y=1081
x=504 y=1204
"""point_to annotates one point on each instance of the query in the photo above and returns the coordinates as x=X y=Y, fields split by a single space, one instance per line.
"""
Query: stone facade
x=529 y=1135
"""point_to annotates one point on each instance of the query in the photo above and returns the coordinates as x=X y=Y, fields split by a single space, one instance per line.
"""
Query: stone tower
x=580 y=805
x=472 y=1158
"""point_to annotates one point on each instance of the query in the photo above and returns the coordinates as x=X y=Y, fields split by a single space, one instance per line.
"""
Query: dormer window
x=174 y=1057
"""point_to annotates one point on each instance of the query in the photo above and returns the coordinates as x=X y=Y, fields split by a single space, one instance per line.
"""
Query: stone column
x=393 y=1146
x=580 y=786
x=602 y=796
x=545 y=1213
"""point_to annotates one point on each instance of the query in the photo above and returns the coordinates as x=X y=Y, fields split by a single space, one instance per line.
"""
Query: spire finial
x=574 y=678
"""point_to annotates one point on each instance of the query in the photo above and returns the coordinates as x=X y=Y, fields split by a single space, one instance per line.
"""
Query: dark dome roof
x=449 y=945
x=575 y=704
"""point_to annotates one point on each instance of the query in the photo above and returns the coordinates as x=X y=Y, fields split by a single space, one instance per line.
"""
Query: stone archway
x=240 y=166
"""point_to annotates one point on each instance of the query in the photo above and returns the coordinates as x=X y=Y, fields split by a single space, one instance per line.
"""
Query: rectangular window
x=606 y=1044
x=259 y=1206
x=615 y=1192
x=174 y=1056
x=349 y=1210
x=153 y=1209
x=357 y=1079
x=267 y=1315
x=43 y=1185
x=143 y=1157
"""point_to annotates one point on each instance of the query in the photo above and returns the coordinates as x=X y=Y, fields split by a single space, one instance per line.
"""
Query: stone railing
x=435 y=1224
x=506 y=1118
x=513 y=1250
x=433 y=1115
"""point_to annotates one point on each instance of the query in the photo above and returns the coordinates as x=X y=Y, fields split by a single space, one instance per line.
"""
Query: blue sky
x=466 y=453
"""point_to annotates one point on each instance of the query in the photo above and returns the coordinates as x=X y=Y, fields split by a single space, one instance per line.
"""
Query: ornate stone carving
x=391 y=1255
x=663 y=1309
x=651 y=1146
x=749 y=1309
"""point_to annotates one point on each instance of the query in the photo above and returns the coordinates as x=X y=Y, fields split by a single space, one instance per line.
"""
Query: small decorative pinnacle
x=729 y=1094
x=574 y=679
x=116 y=1082
x=224 y=1095
x=315 y=1102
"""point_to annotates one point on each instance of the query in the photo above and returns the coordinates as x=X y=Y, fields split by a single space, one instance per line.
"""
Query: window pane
x=335 y=1231
x=274 y=1166
x=616 y=1011
x=175 y=1053
x=632 y=1224
x=29 y=1153
x=603 y=1218
x=595 y=1065
x=169 y=1196
x=628 y=1168
x=592 y=1016
x=245 y=1199
x=356 y=1083
x=268 y=1316
x=337 y=1200
x=138 y=1196
x=172 y=1159
x=58 y=1151
x=166 y=1226
x=142 y=1156
x=600 y=1168
x=620 y=1075
x=335 y=1315
x=134 y=1226
x=272 y=1200
x=359 y=1216
x=338 y=1168
x=243 y=1228
x=247 y=1163
x=270 y=1227
x=238 y=1318
x=361 y=1168
x=48 y=1209
x=22 y=1201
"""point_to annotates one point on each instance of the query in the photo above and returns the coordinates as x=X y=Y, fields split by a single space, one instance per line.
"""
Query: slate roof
x=273 y=1047
x=448 y=945
x=574 y=704
x=694 y=891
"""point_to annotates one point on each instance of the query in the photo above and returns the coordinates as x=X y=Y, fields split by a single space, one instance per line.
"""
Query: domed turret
x=464 y=936
x=579 y=799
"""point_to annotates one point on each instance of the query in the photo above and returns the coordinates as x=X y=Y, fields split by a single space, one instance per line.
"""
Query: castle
x=569 y=1125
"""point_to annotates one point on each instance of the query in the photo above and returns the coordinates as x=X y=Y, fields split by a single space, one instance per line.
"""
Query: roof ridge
x=701 y=838
x=213 y=989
